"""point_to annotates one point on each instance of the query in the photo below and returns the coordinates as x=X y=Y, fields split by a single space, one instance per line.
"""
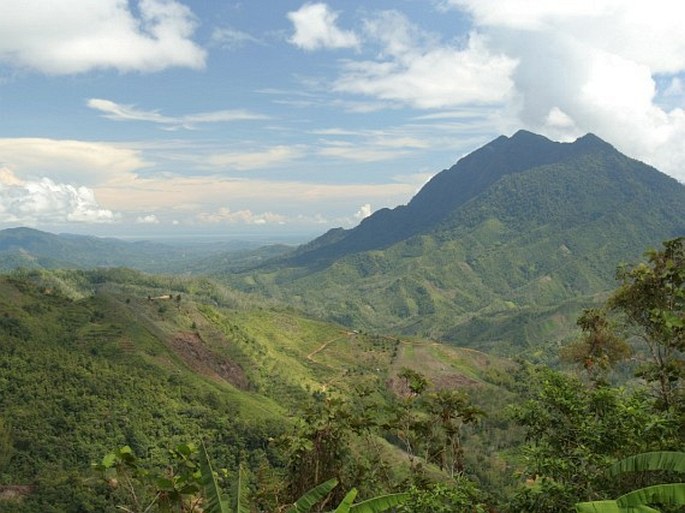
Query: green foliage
x=461 y=496
x=573 y=433
x=669 y=461
x=491 y=263
x=214 y=500
x=6 y=446
x=310 y=498
x=599 y=348
x=652 y=297
x=640 y=499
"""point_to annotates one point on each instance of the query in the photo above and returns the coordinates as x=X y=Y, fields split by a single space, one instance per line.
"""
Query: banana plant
x=638 y=500
x=215 y=502
x=374 y=505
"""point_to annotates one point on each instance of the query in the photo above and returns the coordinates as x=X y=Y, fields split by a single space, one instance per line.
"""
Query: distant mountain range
x=30 y=248
x=500 y=251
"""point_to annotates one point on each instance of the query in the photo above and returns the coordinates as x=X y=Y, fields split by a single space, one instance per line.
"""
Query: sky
x=172 y=118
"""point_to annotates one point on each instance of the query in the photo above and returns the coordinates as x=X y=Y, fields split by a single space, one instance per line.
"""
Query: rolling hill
x=36 y=249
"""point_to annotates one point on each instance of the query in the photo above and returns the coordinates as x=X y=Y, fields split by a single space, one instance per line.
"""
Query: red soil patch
x=14 y=492
x=193 y=351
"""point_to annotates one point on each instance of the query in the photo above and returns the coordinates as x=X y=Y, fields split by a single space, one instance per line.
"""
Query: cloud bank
x=612 y=67
x=46 y=202
x=75 y=36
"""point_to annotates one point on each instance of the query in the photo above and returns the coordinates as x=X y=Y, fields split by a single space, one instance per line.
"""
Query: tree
x=317 y=448
x=6 y=447
x=189 y=485
x=572 y=434
x=599 y=348
x=652 y=297
x=449 y=411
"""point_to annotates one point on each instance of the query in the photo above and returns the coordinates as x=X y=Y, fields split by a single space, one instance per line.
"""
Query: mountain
x=30 y=248
x=500 y=251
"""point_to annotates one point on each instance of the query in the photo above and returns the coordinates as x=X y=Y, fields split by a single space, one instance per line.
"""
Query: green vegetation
x=114 y=358
x=99 y=359
x=641 y=499
x=512 y=251
x=502 y=253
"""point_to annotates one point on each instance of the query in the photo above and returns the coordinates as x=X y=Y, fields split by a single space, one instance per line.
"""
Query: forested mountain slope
x=500 y=251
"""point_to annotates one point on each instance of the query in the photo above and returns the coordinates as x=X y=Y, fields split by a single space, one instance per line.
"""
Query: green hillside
x=94 y=360
x=506 y=264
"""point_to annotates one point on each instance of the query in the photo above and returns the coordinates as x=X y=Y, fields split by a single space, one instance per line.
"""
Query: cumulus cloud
x=315 y=27
x=363 y=212
x=119 y=112
x=69 y=161
x=225 y=215
x=415 y=69
x=592 y=66
x=148 y=219
x=46 y=202
x=76 y=36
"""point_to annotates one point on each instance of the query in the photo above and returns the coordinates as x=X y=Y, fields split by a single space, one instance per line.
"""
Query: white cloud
x=415 y=69
x=46 y=202
x=230 y=38
x=225 y=215
x=119 y=112
x=349 y=151
x=148 y=219
x=267 y=157
x=315 y=27
x=590 y=66
x=75 y=36
x=69 y=161
x=363 y=212
x=648 y=33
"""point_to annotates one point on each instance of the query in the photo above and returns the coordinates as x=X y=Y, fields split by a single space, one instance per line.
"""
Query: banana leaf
x=611 y=507
x=214 y=502
x=312 y=497
x=346 y=503
x=241 y=504
x=658 y=460
x=379 y=504
x=673 y=493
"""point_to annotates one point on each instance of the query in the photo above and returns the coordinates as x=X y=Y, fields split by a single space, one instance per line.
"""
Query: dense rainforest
x=126 y=391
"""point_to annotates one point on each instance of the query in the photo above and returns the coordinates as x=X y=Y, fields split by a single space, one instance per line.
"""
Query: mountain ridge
x=447 y=190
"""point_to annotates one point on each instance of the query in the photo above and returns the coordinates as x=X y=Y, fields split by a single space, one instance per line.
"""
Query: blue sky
x=169 y=117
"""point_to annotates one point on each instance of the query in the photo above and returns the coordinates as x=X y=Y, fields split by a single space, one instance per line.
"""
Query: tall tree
x=652 y=296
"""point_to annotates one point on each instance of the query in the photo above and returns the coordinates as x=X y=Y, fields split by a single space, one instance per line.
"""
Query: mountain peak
x=591 y=141
x=523 y=135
